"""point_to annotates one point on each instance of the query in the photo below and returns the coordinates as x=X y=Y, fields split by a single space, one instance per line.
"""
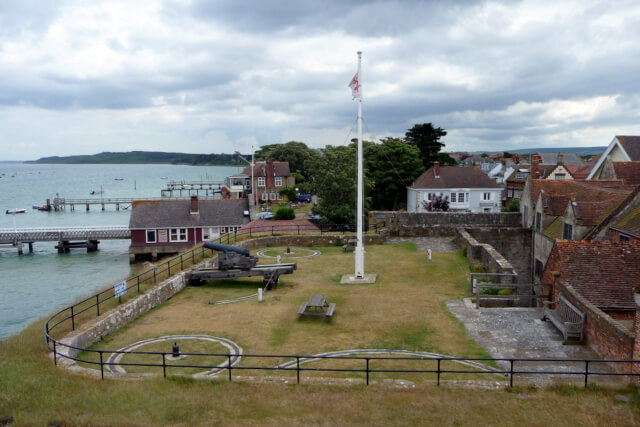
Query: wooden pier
x=60 y=203
x=205 y=189
x=66 y=237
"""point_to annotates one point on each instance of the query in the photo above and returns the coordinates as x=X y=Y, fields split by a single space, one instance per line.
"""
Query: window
x=538 y=268
x=278 y=181
x=487 y=209
x=151 y=236
x=486 y=196
x=265 y=196
x=453 y=198
x=539 y=221
x=461 y=197
x=273 y=196
x=567 y=231
x=261 y=181
x=178 y=235
x=561 y=176
x=280 y=197
x=624 y=238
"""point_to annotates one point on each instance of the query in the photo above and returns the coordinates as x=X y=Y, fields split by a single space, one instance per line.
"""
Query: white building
x=466 y=188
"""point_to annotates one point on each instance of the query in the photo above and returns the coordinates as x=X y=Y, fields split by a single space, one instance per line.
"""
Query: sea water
x=36 y=284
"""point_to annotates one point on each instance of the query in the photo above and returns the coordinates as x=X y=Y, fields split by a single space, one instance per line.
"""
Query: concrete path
x=436 y=244
x=519 y=333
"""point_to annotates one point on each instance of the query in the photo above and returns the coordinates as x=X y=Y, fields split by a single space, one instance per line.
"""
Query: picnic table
x=317 y=306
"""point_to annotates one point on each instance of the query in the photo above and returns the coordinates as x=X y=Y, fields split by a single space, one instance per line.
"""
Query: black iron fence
x=512 y=367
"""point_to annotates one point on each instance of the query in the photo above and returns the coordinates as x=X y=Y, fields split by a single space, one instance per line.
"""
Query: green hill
x=146 y=157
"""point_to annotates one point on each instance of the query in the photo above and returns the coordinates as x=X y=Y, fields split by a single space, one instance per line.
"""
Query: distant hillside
x=581 y=151
x=147 y=157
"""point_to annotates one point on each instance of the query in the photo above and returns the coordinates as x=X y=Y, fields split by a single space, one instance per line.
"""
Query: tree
x=427 y=139
x=391 y=167
x=446 y=160
x=513 y=206
x=302 y=159
x=284 y=213
x=335 y=184
x=437 y=204
x=288 y=193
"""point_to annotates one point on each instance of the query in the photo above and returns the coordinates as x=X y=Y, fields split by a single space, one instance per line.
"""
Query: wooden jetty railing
x=67 y=237
x=60 y=203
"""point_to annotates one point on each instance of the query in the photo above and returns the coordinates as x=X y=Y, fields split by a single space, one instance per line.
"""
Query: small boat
x=16 y=211
x=118 y=179
x=96 y=192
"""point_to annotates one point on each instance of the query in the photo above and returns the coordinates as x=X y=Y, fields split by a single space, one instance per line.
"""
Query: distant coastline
x=146 y=157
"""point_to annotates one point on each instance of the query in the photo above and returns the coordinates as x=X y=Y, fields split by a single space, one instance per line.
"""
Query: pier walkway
x=66 y=237
x=193 y=188
x=61 y=203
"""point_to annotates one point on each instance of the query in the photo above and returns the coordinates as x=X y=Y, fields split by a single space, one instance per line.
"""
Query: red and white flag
x=355 y=86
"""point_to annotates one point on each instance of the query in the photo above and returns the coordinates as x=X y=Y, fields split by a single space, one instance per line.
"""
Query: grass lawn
x=403 y=310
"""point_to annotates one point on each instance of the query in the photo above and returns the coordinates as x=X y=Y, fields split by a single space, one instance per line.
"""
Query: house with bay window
x=162 y=227
x=467 y=189
x=268 y=179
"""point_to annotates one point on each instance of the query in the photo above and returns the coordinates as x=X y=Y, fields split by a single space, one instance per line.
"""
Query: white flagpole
x=359 y=251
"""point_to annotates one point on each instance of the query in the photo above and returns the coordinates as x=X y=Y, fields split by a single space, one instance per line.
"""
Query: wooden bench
x=566 y=317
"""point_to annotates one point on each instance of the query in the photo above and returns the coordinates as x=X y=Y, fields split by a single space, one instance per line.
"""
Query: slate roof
x=629 y=172
x=607 y=274
x=271 y=168
x=631 y=145
x=568 y=158
x=630 y=223
x=454 y=177
x=177 y=213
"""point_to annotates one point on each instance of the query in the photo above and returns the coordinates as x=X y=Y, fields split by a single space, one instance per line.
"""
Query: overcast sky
x=81 y=77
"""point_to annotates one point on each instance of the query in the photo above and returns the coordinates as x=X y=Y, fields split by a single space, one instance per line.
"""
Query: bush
x=284 y=213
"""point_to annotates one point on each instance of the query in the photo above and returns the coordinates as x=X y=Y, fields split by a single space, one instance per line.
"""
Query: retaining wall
x=416 y=224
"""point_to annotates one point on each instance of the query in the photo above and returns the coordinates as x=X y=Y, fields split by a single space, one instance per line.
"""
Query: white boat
x=16 y=211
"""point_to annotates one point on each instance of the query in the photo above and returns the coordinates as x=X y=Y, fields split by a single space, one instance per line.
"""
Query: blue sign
x=120 y=288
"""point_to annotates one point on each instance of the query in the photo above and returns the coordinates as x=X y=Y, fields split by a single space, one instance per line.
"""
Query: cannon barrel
x=227 y=248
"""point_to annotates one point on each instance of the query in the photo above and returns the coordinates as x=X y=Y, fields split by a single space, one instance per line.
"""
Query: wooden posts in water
x=65 y=246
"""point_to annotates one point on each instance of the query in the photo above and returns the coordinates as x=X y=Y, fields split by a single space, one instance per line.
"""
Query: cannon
x=230 y=257
x=234 y=261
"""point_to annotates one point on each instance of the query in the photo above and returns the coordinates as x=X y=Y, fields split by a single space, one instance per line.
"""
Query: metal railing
x=44 y=234
x=510 y=369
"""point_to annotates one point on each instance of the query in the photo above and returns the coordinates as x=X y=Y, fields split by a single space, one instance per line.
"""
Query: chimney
x=436 y=169
x=534 y=166
x=560 y=159
x=194 y=205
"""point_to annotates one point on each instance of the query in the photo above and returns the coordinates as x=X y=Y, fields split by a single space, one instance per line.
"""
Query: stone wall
x=608 y=337
x=514 y=244
x=414 y=224
x=309 y=240
x=483 y=252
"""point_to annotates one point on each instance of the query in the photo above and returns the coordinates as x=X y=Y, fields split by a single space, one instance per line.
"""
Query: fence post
x=169 y=268
x=229 y=366
x=193 y=257
x=298 y=368
x=511 y=374
x=55 y=354
x=73 y=320
x=138 y=277
x=164 y=366
x=181 y=266
x=439 y=360
x=586 y=373
x=98 y=303
x=101 y=366
x=298 y=229
x=367 y=370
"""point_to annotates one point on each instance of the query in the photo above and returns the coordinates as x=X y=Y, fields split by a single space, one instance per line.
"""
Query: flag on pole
x=355 y=86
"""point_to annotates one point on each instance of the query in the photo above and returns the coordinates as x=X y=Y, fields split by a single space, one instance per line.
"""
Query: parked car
x=305 y=198
x=264 y=215
x=314 y=216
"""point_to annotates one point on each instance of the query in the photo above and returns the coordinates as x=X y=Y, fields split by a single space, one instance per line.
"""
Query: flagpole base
x=352 y=279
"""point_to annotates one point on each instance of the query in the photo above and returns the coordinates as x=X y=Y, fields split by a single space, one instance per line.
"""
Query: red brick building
x=601 y=279
x=268 y=179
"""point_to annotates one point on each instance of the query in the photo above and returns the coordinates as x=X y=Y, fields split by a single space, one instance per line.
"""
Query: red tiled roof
x=631 y=145
x=606 y=274
x=592 y=213
x=266 y=168
x=629 y=172
x=592 y=190
x=630 y=223
x=454 y=177
x=579 y=171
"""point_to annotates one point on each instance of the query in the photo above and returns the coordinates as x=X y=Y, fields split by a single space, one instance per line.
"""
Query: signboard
x=162 y=236
x=120 y=288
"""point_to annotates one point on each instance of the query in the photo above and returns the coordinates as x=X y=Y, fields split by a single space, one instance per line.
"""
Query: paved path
x=519 y=333
x=436 y=244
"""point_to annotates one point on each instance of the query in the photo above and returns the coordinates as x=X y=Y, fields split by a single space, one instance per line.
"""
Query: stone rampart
x=417 y=224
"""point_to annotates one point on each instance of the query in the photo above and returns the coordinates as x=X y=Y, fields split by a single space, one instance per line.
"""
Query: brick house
x=602 y=279
x=570 y=210
x=162 y=227
x=514 y=183
x=467 y=188
x=269 y=178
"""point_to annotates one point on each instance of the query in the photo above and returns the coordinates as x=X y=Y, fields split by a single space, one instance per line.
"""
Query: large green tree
x=427 y=139
x=302 y=159
x=392 y=166
x=335 y=184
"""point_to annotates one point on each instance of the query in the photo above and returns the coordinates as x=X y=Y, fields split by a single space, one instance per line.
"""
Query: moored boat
x=16 y=211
